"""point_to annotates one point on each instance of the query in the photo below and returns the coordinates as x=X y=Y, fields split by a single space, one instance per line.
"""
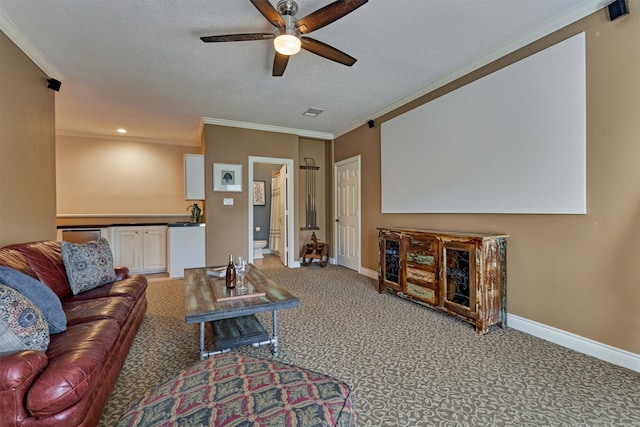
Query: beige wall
x=27 y=143
x=228 y=226
x=577 y=273
x=234 y=145
x=120 y=177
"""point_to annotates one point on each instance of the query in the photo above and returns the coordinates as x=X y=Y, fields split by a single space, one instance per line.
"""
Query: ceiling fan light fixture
x=287 y=41
x=287 y=44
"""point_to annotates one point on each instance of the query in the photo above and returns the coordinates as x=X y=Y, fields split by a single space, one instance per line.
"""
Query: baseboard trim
x=575 y=342
x=369 y=273
x=601 y=351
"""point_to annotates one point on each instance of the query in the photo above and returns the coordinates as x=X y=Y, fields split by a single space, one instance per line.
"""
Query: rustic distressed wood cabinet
x=462 y=274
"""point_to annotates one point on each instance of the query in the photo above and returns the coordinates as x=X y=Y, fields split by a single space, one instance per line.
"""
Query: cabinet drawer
x=422 y=244
x=422 y=293
x=421 y=277
x=421 y=260
x=422 y=252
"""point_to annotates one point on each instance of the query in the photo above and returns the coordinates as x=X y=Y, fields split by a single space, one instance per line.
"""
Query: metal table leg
x=202 y=353
x=274 y=339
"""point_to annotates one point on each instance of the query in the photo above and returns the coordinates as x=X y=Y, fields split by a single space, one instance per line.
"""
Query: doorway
x=285 y=229
x=347 y=212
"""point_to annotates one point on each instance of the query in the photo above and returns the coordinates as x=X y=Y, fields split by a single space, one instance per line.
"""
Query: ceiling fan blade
x=268 y=11
x=279 y=64
x=237 y=37
x=326 y=51
x=326 y=15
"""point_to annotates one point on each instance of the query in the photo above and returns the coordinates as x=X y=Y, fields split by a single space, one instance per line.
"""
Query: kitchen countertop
x=136 y=224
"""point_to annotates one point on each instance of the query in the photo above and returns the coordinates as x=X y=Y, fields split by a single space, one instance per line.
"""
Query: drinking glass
x=241 y=271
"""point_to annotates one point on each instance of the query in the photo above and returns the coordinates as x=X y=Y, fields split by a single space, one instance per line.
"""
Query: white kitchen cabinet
x=154 y=249
x=127 y=247
x=186 y=248
x=194 y=176
x=143 y=249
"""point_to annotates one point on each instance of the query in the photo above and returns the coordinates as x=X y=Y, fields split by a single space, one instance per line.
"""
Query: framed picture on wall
x=227 y=177
x=258 y=193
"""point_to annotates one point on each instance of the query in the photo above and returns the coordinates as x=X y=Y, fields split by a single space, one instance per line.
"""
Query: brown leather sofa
x=70 y=383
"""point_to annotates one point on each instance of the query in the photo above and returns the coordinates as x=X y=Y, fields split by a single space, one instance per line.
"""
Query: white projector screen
x=511 y=142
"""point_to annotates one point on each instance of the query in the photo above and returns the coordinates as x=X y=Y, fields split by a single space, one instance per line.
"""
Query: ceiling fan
x=288 y=39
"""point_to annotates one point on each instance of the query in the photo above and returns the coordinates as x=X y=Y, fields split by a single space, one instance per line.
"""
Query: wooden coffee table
x=233 y=321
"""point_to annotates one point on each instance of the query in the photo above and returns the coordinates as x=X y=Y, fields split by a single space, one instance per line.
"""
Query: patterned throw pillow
x=88 y=265
x=22 y=326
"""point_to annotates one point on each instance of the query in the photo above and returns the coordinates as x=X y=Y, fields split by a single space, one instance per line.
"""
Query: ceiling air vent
x=312 y=112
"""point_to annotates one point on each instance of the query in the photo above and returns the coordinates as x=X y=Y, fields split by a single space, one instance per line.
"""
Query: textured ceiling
x=139 y=64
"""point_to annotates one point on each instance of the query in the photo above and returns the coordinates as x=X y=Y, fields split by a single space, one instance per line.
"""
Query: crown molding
x=7 y=27
x=125 y=138
x=269 y=128
x=550 y=27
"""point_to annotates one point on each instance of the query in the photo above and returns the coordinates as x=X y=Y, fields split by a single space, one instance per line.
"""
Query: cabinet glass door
x=459 y=287
x=390 y=261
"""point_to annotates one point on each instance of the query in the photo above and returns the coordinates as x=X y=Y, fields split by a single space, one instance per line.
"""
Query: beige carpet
x=406 y=364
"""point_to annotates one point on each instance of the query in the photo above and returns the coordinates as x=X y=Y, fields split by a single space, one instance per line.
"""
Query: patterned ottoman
x=234 y=390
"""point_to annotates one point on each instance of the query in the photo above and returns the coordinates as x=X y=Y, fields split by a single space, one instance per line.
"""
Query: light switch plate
x=227 y=201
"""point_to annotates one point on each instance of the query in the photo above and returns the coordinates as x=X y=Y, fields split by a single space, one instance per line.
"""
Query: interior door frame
x=290 y=214
x=336 y=165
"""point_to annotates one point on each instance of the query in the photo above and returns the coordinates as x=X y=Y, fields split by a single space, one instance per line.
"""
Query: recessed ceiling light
x=121 y=130
x=312 y=112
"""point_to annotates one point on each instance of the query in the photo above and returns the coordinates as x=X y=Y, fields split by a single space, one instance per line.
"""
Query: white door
x=347 y=175
x=284 y=215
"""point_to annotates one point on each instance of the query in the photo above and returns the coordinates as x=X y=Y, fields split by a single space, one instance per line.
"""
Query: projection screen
x=511 y=142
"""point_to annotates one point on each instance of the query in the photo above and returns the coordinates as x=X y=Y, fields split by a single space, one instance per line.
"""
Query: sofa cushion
x=22 y=326
x=80 y=311
x=38 y=293
x=88 y=265
x=76 y=357
x=45 y=260
x=14 y=259
x=132 y=287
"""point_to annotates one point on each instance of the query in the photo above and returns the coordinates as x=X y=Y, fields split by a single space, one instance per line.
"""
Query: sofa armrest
x=20 y=367
x=18 y=370
x=122 y=272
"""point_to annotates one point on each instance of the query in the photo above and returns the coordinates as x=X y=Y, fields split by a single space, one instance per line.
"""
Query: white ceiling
x=139 y=64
